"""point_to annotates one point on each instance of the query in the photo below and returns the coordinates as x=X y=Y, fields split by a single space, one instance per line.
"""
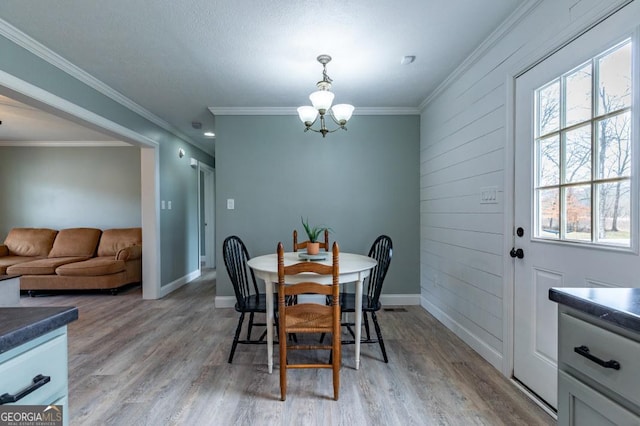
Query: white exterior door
x=576 y=193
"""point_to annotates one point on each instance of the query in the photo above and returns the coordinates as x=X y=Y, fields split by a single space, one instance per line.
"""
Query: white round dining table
x=353 y=268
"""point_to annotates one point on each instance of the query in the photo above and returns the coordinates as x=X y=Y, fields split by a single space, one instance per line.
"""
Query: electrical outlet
x=231 y=204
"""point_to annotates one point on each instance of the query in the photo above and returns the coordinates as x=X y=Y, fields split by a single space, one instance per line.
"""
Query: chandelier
x=321 y=100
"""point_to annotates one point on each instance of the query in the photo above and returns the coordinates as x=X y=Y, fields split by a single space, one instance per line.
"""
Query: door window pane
x=549 y=161
x=577 y=202
x=578 y=155
x=614 y=213
x=549 y=108
x=614 y=85
x=613 y=145
x=548 y=213
x=578 y=96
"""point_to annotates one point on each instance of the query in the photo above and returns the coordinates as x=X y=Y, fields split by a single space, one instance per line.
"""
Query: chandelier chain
x=325 y=76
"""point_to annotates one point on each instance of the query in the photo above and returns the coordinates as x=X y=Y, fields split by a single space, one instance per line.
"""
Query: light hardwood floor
x=164 y=362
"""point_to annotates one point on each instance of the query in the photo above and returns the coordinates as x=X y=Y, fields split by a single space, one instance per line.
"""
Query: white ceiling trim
x=498 y=34
x=293 y=111
x=23 y=40
x=63 y=144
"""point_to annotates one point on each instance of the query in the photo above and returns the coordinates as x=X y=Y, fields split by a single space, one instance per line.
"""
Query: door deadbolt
x=519 y=231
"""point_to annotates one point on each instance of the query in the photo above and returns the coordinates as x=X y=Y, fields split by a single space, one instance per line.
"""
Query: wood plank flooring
x=164 y=362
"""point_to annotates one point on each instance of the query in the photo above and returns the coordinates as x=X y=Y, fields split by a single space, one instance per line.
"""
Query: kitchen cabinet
x=598 y=356
x=33 y=356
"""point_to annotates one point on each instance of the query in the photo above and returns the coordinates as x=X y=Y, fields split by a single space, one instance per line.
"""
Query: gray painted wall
x=69 y=187
x=179 y=225
x=178 y=181
x=361 y=183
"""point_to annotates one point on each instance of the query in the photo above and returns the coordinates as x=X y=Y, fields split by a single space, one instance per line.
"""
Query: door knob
x=519 y=253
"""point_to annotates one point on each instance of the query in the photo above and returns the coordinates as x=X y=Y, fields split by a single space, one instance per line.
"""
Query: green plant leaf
x=313 y=232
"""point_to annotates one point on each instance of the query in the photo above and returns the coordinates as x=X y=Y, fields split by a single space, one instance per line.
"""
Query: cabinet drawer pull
x=584 y=351
x=38 y=382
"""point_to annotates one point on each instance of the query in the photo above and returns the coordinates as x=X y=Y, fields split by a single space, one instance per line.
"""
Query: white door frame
x=208 y=190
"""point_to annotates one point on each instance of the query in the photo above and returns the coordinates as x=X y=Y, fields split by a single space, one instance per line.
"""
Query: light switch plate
x=231 y=204
x=489 y=195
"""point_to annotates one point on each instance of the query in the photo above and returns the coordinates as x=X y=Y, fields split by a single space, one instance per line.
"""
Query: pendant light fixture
x=321 y=100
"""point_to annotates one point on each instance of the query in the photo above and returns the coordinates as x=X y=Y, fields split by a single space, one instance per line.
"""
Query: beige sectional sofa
x=73 y=259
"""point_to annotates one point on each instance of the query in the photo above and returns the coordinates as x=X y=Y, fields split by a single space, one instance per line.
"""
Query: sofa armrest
x=128 y=253
x=4 y=250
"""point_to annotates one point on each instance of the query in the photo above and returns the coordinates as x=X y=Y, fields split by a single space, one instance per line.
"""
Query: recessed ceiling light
x=209 y=134
x=406 y=60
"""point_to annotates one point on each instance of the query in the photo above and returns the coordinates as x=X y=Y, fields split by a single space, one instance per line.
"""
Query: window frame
x=561 y=186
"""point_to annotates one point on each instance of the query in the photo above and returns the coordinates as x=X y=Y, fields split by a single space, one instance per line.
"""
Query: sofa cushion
x=6 y=261
x=30 y=241
x=75 y=242
x=92 y=267
x=41 y=266
x=4 y=251
x=113 y=240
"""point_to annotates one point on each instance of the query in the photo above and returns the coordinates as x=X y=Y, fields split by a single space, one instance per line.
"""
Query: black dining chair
x=381 y=250
x=248 y=298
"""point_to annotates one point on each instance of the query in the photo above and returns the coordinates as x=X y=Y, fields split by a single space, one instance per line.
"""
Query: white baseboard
x=174 y=285
x=385 y=299
x=400 y=299
x=225 y=301
x=487 y=352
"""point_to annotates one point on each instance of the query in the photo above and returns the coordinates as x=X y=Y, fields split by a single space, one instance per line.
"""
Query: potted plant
x=313 y=232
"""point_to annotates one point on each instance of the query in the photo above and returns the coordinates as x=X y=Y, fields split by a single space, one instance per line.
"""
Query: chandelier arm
x=312 y=123
x=322 y=127
x=342 y=126
x=325 y=129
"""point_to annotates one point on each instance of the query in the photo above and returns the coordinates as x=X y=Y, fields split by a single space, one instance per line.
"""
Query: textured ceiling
x=177 y=58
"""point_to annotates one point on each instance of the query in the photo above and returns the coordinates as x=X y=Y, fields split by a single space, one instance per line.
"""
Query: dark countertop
x=619 y=306
x=20 y=325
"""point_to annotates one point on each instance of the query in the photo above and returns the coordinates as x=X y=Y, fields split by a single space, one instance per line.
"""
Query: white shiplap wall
x=465 y=144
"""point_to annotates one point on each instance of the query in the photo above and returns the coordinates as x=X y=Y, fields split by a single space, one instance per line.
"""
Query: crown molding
x=293 y=111
x=496 y=36
x=65 y=144
x=25 y=41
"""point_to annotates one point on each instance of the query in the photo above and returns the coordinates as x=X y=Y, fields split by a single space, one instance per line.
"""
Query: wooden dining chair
x=306 y=317
x=298 y=246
